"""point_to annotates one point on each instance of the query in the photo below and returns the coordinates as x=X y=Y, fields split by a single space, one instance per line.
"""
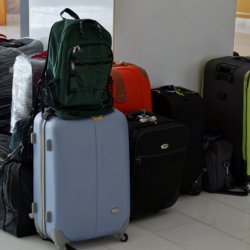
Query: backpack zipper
x=73 y=65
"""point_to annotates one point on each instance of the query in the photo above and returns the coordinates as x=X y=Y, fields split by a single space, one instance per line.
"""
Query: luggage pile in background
x=98 y=146
x=8 y=53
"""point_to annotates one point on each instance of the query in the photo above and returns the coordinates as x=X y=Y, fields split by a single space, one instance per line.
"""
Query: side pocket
x=11 y=186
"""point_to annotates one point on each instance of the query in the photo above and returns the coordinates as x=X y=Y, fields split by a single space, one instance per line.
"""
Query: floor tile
x=164 y=219
x=10 y=242
x=216 y=214
x=197 y=236
x=140 y=239
x=239 y=202
x=89 y=245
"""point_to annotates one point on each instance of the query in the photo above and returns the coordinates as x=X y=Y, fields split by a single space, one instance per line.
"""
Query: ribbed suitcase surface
x=84 y=165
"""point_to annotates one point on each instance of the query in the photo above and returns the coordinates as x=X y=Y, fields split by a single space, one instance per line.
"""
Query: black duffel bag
x=16 y=183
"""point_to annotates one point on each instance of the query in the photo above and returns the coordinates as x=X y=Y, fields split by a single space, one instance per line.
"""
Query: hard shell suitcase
x=157 y=156
x=186 y=107
x=131 y=88
x=226 y=103
x=81 y=178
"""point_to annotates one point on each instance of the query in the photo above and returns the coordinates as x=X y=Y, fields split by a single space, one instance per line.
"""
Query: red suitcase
x=131 y=88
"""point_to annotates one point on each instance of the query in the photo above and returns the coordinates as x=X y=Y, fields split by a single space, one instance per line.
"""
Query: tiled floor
x=205 y=222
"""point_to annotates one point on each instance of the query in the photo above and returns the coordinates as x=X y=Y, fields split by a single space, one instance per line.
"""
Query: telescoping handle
x=69 y=12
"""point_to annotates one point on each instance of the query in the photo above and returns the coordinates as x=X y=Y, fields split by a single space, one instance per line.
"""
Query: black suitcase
x=226 y=104
x=185 y=106
x=157 y=155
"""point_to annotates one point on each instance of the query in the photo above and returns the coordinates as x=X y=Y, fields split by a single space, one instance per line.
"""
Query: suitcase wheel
x=123 y=237
x=196 y=187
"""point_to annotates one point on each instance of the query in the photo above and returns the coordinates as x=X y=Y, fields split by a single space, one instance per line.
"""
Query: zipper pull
x=76 y=49
x=72 y=66
x=138 y=161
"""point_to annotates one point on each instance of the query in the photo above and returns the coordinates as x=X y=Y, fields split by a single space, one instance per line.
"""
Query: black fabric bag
x=217 y=177
x=16 y=197
x=21 y=134
x=16 y=182
x=157 y=155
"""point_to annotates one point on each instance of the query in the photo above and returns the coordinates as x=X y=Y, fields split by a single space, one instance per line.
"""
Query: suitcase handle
x=225 y=72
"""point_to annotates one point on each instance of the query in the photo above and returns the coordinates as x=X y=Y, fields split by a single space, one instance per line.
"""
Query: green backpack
x=76 y=79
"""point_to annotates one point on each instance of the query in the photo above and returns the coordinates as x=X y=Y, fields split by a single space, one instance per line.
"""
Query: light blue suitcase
x=81 y=178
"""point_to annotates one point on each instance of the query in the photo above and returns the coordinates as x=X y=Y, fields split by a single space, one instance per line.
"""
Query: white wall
x=172 y=39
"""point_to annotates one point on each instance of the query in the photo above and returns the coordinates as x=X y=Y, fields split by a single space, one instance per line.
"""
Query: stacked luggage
x=81 y=141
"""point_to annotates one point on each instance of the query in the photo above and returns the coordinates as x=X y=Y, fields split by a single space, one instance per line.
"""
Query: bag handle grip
x=69 y=12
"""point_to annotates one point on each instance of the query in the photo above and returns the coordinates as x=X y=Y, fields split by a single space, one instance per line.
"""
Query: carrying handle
x=69 y=12
x=225 y=72
x=125 y=64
